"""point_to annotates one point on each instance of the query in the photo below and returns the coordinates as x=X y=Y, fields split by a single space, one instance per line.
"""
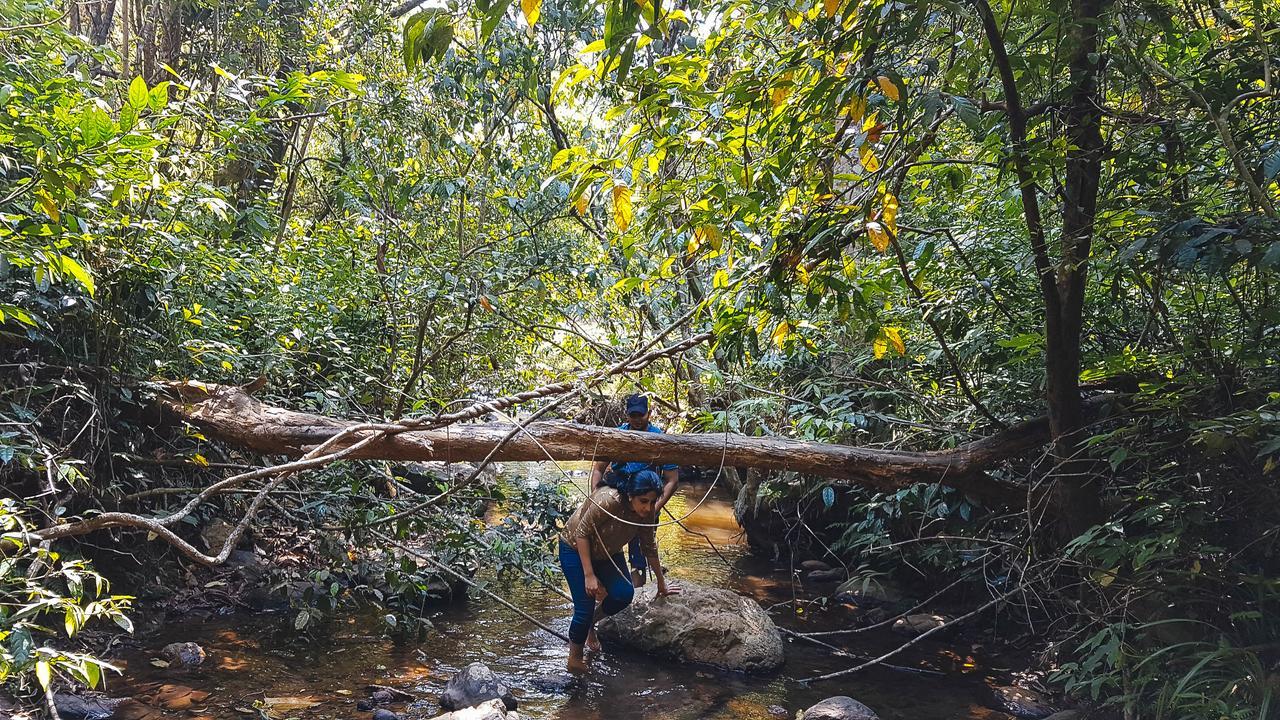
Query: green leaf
x=158 y=98
x=69 y=266
x=493 y=16
x=138 y=96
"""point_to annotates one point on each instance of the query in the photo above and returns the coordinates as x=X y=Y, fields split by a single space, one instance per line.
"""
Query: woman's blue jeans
x=607 y=573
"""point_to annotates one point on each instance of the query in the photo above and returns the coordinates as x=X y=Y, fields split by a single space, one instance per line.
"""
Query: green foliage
x=44 y=595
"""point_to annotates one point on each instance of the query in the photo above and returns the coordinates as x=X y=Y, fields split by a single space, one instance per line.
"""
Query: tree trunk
x=231 y=414
x=1076 y=493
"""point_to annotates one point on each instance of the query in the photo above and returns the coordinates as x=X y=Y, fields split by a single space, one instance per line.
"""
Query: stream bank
x=258 y=665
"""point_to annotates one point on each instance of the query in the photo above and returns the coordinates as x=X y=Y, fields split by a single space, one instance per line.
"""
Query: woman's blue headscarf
x=641 y=483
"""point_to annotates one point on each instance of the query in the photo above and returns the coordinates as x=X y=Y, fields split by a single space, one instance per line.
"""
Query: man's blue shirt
x=631 y=468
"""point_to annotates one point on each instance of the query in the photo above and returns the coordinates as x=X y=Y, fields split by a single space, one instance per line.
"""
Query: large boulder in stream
x=840 y=707
x=473 y=685
x=705 y=625
x=492 y=710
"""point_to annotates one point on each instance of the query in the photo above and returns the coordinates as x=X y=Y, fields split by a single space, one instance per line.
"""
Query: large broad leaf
x=622 y=209
x=492 y=16
x=138 y=94
x=532 y=10
x=427 y=36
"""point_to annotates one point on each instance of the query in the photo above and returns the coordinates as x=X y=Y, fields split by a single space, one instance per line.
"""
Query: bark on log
x=232 y=415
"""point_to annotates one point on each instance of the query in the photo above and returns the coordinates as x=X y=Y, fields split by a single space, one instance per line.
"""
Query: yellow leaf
x=781 y=333
x=831 y=7
x=780 y=92
x=532 y=9
x=622 y=210
x=47 y=204
x=887 y=87
x=879 y=238
x=581 y=204
x=708 y=235
x=889 y=215
x=856 y=108
x=200 y=460
x=43 y=673
x=870 y=162
x=894 y=335
x=879 y=346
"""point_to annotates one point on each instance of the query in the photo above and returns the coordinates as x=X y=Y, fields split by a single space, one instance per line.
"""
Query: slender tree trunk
x=1076 y=491
x=1062 y=288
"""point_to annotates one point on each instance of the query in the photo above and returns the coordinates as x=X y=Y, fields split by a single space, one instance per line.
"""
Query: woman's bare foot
x=577 y=664
x=593 y=642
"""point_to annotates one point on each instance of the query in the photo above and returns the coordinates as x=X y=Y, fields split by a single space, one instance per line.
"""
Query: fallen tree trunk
x=231 y=414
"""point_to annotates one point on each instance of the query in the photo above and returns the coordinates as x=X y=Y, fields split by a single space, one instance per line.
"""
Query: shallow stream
x=255 y=657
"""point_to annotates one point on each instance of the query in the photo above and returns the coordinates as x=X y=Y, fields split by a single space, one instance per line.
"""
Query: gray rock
x=1067 y=715
x=811 y=565
x=491 y=710
x=701 y=624
x=77 y=707
x=918 y=624
x=779 y=712
x=183 y=654
x=556 y=684
x=1022 y=702
x=384 y=714
x=474 y=685
x=215 y=533
x=840 y=707
x=831 y=575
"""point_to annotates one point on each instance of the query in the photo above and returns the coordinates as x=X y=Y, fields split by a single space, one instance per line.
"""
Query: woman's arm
x=598 y=469
x=588 y=572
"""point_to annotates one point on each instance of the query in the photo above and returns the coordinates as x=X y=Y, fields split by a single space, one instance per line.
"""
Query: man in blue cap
x=604 y=473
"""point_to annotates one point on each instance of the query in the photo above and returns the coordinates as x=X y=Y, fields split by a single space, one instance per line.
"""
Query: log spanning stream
x=258 y=664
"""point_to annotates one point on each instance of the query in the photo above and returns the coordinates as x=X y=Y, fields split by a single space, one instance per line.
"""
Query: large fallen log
x=234 y=416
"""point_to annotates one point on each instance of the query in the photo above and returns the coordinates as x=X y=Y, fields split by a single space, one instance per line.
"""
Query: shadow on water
x=254 y=657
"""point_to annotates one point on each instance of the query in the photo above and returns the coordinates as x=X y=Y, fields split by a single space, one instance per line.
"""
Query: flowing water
x=258 y=662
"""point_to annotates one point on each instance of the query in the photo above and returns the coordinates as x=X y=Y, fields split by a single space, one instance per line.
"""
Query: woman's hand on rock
x=665 y=589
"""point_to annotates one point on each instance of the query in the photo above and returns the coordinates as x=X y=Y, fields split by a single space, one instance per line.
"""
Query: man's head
x=638 y=411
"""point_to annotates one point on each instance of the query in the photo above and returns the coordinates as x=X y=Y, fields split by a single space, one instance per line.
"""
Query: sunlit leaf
x=868 y=158
x=532 y=9
x=856 y=108
x=889 y=213
x=139 y=96
x=622 y=210
x=894 y=336
x=887 y=87
x=781 y=333
x=71 y=267
x=879 y=238
x=46 y=203
x=43 y=673
x=831 y=7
